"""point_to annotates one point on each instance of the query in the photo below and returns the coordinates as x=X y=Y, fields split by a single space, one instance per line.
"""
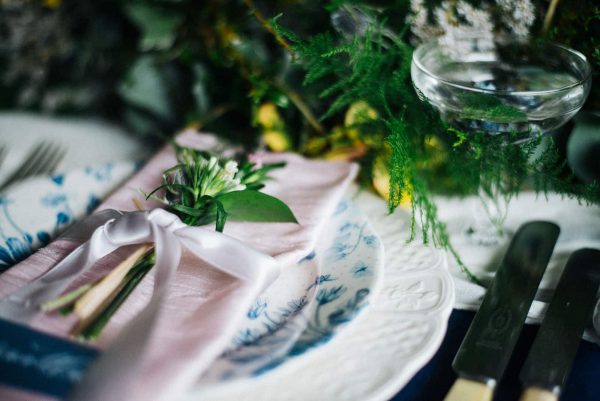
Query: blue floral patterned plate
x=35 y=211
x=310 y=302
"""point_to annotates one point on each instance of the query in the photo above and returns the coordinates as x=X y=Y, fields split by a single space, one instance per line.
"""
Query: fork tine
x=32 y=162
x=23 y=167
x=58 y=154
x=39 y=163
x=53 y=154
x=43 y=158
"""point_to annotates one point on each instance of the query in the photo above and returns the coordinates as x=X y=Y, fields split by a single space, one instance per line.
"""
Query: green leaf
x=200 y=89
x=248 y=205
x=158 y=26
x=221 y=216
x=145 y=87
x=190 y=211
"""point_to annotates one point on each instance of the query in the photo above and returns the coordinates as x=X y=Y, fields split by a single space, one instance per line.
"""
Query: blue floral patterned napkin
x=35 y=211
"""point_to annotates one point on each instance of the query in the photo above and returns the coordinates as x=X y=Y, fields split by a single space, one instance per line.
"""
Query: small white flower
x=231 y=167
x=517 y=16
x=212 y=162
x=458 y=37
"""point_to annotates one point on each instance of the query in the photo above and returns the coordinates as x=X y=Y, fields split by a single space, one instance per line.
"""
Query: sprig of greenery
x=202 y=189
x=369 y=69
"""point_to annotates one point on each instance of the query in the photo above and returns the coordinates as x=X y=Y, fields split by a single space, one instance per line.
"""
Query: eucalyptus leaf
x=249 y=205
x=145 y=87
x=158 y=28
x=200 y=90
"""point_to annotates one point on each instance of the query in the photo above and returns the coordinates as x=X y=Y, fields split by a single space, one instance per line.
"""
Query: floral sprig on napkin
x=200 y=189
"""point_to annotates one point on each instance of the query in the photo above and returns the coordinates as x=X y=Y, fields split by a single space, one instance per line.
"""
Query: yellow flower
x=276 y=140
x=50 y=3
x=345 y=153
x=273 y=127
x=342 y=147
x=315 y=146
x=268 y=116
x=359 y=112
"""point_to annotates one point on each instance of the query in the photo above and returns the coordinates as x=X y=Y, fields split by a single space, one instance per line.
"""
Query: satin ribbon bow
x=109 y=230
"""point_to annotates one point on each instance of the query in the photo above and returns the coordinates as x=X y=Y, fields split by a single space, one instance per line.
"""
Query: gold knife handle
x=538 y=394
x=469 y=390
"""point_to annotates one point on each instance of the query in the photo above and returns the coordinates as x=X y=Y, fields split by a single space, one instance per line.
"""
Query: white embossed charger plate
x=376 y=356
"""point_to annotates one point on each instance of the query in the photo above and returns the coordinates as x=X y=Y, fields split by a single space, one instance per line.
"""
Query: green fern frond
x=371 y=70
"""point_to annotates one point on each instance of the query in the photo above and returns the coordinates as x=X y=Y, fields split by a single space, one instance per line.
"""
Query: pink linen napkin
x=205 y=306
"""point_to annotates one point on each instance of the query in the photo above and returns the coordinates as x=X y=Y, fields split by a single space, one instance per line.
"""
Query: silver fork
x=42 y=159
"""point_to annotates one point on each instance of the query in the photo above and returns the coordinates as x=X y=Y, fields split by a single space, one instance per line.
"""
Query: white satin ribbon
x=169 y=234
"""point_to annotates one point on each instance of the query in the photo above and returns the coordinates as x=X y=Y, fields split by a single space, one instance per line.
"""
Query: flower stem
x=92 y=329
x=104 y=291
x=267 y=26
x=66 y=299
x=549 y=15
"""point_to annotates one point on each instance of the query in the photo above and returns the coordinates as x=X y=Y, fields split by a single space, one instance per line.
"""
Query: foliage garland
x=329 y=81
x=370 y=69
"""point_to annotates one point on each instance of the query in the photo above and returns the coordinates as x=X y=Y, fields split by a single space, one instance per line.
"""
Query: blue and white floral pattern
x=325 y=291
x=35 y=211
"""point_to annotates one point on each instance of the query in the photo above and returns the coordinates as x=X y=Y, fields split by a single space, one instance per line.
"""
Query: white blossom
x=518 y=15
x=458 y=24
x=458 y=37
x=212 y=162
x=420 y=25
x=231 y=167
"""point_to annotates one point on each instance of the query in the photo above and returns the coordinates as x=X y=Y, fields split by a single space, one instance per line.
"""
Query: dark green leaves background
x=159 y=65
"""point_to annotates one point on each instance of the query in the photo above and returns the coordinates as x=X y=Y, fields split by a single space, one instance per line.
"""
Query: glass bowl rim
x=571 y=52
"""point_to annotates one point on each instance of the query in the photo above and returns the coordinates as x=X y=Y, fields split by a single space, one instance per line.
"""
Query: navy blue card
x=39 y=362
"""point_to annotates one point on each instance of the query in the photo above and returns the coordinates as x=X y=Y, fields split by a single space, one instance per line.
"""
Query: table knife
x=549 y=361
x=489 y=342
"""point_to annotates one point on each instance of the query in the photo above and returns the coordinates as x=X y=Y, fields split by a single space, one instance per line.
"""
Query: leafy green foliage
x=376 y=69
x=202 y=189
x=159 y=29
x=249 y=205
x=159 y=65
x=490 y=108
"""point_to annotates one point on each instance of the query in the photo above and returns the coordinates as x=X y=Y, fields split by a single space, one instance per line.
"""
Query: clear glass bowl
x=519 y=88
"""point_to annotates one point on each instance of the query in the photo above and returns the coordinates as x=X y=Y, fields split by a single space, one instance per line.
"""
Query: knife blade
x=488 y=344
x=551 y=355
